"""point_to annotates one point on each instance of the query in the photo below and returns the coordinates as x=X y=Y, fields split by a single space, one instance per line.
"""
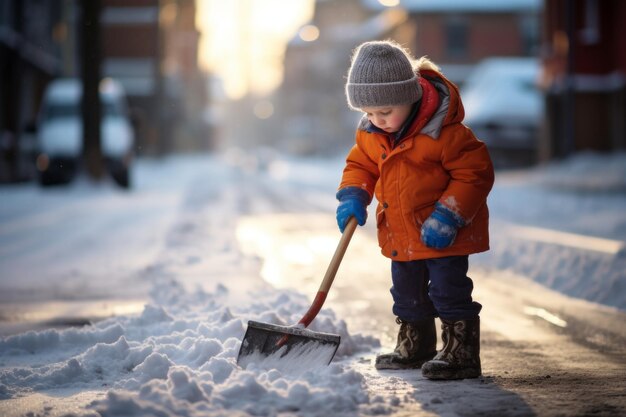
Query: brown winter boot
x=417 y=343
x=460 y=356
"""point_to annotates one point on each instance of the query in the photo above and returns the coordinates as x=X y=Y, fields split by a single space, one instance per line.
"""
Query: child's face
x=388 y=118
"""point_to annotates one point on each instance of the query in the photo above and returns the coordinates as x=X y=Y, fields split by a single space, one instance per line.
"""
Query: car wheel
x=120 y=174
x=46 y=179
x=57 y=172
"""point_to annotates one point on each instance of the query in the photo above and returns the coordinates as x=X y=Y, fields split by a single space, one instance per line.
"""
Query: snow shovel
x=264 y=340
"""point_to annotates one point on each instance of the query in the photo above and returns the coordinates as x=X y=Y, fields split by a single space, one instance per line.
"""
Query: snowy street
x=169 y=272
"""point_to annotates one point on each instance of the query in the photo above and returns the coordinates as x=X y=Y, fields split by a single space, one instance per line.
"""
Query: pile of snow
x=178 y=357
x=588 y=172
x=576 y=209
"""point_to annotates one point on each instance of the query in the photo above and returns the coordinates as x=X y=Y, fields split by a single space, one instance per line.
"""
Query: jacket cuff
x=356 y=193
x=455 y=217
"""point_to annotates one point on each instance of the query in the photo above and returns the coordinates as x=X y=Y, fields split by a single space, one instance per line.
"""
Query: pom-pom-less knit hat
x=381 y=74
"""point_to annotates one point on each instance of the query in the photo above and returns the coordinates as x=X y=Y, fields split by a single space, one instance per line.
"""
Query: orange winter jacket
x=437 y=160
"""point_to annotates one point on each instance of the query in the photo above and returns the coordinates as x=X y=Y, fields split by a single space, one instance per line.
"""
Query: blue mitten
x=352 y=202
x=439 y=230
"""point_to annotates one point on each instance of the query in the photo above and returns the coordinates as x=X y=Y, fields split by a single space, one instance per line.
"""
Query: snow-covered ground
x=171 y=271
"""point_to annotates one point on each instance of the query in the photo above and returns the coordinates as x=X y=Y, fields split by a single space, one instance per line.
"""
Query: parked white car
x=60 y=131
x=504 y=107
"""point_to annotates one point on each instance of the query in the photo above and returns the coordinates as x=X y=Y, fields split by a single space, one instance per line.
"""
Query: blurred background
x=541 y=79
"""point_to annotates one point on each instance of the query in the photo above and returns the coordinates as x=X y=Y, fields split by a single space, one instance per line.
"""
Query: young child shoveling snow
x=431 y=177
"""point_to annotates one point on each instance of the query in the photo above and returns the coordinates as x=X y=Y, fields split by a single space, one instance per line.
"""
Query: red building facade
x=584 y=54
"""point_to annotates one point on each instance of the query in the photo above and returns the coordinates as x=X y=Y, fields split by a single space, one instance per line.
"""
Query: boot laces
x=453 y=336
x=407 y=338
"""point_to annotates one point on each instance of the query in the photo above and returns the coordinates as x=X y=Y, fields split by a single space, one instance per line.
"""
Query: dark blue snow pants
x=433 y=288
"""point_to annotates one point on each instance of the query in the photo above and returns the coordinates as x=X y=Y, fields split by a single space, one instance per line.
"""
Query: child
x=431 y=177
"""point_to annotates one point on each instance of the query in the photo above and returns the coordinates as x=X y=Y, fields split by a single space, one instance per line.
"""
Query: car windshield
x=62 y=110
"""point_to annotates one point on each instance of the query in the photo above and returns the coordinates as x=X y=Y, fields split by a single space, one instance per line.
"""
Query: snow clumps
x=178 y=357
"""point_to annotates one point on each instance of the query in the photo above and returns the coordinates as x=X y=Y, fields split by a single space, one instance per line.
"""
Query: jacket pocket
x=420 y=214
x=382 y=228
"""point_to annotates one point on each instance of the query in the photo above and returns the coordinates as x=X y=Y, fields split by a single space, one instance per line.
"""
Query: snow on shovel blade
x=271 y=344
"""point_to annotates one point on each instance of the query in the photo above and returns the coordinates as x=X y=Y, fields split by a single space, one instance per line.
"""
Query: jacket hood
x=429 y=70
x=440 y=104
x=450 y=108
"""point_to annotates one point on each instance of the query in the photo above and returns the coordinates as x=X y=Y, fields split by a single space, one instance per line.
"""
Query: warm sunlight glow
x=243 y=42
x=309 y=33
x=546 y=315
x=263 y=109
x=389 y=3
x=286 y=249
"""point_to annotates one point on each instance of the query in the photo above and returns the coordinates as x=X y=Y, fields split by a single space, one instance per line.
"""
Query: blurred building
x=456 y=34
x=311 y=101
x=584 y=54
x=183 y=77
x=132 y=54
x=149 y=45
x=31 y=38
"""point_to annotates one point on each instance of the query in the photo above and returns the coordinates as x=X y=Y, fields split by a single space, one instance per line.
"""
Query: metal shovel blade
x=275 y=345
x=264 y=341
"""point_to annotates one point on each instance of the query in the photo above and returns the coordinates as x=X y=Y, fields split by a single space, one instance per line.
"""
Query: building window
x=590 y=33
x=529 y=27
x=457 y=31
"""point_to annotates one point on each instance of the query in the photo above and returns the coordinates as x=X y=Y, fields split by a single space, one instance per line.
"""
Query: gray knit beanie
x=381 y=74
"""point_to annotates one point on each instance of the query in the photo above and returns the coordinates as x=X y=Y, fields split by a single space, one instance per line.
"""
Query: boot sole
x=400 y=366
x=416 y=365
x=452 y=374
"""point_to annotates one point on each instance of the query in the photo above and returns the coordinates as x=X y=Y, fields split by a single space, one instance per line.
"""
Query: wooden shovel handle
x=330 y=273
x=338 y=256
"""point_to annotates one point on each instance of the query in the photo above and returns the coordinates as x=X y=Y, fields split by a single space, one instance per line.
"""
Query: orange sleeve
x=471 y=172
x=361 y=170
